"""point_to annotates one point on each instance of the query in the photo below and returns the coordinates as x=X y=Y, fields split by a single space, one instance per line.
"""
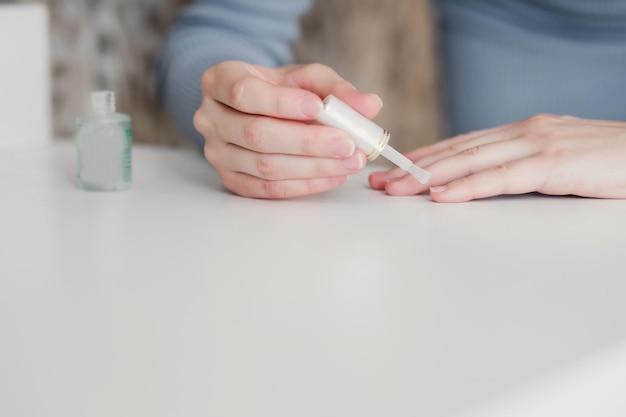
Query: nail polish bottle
x=104 y=141
x=372 y=139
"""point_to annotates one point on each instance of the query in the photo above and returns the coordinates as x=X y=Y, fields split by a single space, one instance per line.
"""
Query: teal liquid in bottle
x=104 y=142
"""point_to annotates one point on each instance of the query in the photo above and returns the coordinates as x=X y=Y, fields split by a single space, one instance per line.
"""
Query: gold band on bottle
x=384 y=140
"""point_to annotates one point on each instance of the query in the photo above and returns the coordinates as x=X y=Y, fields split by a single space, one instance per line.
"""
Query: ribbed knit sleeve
x=505 y=60
x=211 y=31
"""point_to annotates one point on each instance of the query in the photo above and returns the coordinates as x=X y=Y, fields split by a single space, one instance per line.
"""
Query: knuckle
x=501 y=169
x=501 y=172
x=237 y=92
x=266 y=166
x=307 y=144
x=471 y=151
x=253 y=136
x=200 y=122
x=274 y=189
x=324 y=71
x=210 y=154
x=468 y=182
x=323 y=169
x=539 y=117
x=207 y=80
x=454 y=148
x=540 y=120
x=318 y=68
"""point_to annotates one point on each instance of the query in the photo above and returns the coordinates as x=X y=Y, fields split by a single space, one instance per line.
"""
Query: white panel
x=24 y=75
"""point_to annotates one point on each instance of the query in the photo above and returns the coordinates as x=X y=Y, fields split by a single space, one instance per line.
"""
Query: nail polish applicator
x=372 y=139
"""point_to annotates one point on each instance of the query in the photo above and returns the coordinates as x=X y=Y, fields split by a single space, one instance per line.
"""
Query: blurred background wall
x=386 y=47
x=109 y=44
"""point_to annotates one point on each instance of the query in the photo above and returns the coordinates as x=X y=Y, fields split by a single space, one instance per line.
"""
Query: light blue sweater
x=502 y=60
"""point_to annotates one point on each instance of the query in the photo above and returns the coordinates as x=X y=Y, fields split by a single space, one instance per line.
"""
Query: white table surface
x=179 y=299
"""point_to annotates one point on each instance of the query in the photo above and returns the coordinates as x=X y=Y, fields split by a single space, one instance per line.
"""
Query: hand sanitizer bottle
x=104 y=140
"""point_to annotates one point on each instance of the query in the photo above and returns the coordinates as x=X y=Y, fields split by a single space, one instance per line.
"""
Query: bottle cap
x=103 y=103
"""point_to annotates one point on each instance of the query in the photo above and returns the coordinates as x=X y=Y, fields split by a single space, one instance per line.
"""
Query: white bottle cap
x=103 y=103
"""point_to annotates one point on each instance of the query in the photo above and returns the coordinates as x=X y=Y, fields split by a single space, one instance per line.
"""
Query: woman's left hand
x=558 y=155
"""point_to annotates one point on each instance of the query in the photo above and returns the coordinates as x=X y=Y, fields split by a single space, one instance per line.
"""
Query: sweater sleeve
x=211 y=31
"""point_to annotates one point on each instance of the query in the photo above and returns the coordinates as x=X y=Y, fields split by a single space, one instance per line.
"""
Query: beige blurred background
x=386 y=47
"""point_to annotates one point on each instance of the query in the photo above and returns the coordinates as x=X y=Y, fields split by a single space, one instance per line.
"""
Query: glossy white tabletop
x=179 y=299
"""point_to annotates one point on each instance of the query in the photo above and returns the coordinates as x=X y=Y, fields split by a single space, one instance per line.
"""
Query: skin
x=260 y=135
x=259 y=131
x=556 y=155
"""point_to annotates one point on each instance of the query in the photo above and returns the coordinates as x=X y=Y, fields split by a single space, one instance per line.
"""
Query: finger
x=323 y=80
x=248 y=186
x=479 y=158
x=517 y=177
x=244 y=88
x=270 y=135
x=467 y=146
x=469 y=161
x=570 y=120
x=378 y=180
x=455 y=141
x=427 y=154
x=470 y=141
x=283 y=167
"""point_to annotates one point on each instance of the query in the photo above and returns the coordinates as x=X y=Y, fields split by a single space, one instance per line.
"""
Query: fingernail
x=439 y=189
x=311 y=107
x=342 y=147
x=355 y=162
x=380 y=100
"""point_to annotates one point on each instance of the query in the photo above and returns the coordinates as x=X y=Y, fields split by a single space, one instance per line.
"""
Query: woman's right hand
x=258 y=130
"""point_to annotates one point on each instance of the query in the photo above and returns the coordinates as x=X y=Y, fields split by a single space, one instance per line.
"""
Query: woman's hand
x=556 y=155
x=256 y=122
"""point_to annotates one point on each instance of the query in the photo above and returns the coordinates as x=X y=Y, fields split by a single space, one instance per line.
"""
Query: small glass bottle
x=104 y=141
